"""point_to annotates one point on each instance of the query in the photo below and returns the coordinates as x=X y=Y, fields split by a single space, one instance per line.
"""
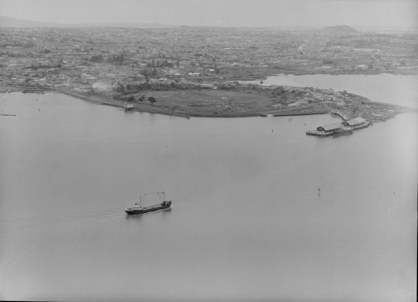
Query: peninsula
x=194 y=71
x=243 y=100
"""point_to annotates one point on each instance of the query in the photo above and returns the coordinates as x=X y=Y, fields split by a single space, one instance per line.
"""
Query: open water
x=261 y=211
x=386 y=88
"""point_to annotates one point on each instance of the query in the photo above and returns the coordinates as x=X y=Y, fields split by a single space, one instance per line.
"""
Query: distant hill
x=128 y=25
x=339 y=29
x=14 y=22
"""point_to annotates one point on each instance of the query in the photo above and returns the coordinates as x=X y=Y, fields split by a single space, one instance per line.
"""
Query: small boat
x=139 y=209
x=319 y=133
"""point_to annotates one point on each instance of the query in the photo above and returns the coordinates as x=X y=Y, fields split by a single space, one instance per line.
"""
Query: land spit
x=244 y=100
x=239 y=100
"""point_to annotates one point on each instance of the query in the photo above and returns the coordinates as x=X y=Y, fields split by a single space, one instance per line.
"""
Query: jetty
x=337 y=129
x=357 y=123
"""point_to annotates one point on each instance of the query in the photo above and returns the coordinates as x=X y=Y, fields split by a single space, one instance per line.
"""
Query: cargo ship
x=139 y=209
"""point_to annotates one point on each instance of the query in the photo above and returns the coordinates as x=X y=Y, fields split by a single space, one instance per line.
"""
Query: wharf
x=361 y=126
x=341 y=129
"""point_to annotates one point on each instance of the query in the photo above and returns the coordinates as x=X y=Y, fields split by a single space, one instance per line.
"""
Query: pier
x=346 y=127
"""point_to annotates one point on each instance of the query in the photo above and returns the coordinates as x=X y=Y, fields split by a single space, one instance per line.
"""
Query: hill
x=21 y=23
x=14 y=22
x=339 y=29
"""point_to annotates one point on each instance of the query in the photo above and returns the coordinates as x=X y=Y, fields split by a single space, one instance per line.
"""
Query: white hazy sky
x=358 y=13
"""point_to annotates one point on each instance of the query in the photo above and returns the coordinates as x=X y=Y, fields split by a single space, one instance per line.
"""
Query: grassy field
x=210 y=102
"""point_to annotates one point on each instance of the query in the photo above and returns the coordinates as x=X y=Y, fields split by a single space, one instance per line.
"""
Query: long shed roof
x=355 y=121
x=329 y=127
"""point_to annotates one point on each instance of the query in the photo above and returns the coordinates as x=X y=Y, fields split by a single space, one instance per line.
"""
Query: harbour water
x=386 y=88
x=261 y=211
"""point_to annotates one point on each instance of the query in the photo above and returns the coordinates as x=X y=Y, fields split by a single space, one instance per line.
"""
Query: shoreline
x=285 y=72
x=257 y=103
x=102 y=100
x=159 y=110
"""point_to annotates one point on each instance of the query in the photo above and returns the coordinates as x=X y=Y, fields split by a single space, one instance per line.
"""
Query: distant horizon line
x=108 y=24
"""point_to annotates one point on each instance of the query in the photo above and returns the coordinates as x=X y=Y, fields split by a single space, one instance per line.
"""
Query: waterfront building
x=355 y=122
x=329 y=127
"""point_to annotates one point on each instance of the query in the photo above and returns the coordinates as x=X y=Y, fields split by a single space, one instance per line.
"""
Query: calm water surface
x=386 y=88
x=247 y=220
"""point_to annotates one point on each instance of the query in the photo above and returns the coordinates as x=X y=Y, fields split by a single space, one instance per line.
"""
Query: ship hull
x=138 y=211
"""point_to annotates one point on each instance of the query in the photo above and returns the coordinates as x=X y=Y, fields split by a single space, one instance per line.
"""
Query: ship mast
x=161 y=194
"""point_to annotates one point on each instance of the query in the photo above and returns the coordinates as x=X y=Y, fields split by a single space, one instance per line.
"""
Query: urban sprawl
x=203 y=71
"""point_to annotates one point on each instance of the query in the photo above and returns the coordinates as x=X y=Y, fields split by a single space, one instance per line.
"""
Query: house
x=354 y=122
x=362 y=67
x=294 y=104
x=329 y=127
x=277 y=106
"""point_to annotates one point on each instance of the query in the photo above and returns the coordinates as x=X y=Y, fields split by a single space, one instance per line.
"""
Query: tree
x=120 y=88
x=116 y=59
x=146 y=75
x=152 y=99
x=141 y=98
x=97 y=59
